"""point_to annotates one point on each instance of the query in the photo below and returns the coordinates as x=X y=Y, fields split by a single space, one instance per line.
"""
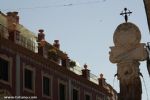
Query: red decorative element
x=56 y=44
x=101 y=80
x=86 y=72
x=41 y=35
x=42 y=42
x=14 y=35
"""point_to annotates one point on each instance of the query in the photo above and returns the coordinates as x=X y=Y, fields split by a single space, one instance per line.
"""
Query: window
x=46 y=86
x=87 y=97
x=106 y=98
x=4 y=70
x=28 y=79
x=62 y=91
x=75 y=94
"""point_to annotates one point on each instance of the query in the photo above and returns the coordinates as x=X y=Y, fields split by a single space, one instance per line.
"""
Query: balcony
x=19 y=39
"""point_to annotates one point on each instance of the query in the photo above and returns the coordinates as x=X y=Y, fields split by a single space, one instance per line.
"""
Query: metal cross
x=126 y=14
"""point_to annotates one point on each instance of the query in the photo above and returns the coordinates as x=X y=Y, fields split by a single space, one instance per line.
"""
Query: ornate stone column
x=127 y=53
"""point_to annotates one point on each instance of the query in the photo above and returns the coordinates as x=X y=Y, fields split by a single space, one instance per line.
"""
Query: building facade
x=147 y=9
x=31 y=68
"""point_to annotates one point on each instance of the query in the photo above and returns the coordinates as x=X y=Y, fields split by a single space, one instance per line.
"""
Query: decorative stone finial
x=41 y=30
x=56 y=41
x=41 y=35
x=85 y=66
x=86 y=72
x=101 y=75
x=56 y=44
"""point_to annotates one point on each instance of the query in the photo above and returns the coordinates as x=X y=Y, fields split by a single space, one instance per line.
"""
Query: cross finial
x=126 y=14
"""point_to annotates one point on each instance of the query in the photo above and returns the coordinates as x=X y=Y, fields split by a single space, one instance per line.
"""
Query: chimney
x=65 y=61
x=41 y=35
x=16 y=17
x=86 y=72
x=101 y=81
x=56 y=44
x=12 y=20
x=12 y=23
x=41 y=42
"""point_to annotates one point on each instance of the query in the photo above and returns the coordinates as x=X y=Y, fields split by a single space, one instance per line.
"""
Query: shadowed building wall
x=147 y=9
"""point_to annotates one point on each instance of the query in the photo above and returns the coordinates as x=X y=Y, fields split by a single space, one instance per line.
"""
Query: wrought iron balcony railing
x=77 y=70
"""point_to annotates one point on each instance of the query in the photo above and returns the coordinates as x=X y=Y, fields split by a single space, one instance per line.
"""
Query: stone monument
x=127 y=53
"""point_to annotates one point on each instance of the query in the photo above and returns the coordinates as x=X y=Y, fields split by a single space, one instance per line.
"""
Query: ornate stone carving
x=126 y=34
x=127 y=53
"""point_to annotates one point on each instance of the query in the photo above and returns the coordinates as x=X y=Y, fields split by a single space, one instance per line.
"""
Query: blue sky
x=84 y=27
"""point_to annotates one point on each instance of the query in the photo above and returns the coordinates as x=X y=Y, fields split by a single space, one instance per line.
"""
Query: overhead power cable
x=57 y=5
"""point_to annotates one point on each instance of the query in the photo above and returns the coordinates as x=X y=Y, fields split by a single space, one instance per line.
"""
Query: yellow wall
x=3 y=20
